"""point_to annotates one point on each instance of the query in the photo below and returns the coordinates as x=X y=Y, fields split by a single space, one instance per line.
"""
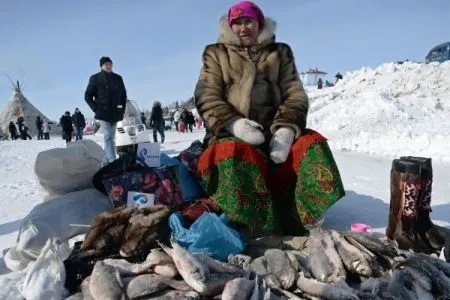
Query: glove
x=247 y=130
x=281 y=144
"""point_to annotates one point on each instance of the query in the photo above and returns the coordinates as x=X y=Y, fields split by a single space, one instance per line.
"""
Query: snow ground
x=366 y=180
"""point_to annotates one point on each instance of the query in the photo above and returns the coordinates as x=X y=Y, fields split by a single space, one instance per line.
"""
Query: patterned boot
x=405 y=186
x=425 y=227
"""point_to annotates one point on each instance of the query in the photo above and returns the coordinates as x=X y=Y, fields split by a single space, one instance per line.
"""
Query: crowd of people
x=184 y=121
x=68 y=123
x=72 y=124
x=338 y=77
x=21 y=131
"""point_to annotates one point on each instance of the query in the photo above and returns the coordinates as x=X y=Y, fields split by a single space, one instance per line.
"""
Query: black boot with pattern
x=425 y=227
x=405 y=186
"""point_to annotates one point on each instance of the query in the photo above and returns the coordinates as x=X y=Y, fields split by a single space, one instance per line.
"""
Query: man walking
x=106 y=96
x=157 y=122
x=176 y=118
x=67 y=126
x=79 y=122
x=39 y=125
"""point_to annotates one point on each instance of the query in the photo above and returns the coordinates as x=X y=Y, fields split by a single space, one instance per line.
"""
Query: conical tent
x=19 y=106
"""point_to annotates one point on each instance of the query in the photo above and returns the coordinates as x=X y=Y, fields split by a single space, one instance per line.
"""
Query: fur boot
x=405 y=186
x=425 y=227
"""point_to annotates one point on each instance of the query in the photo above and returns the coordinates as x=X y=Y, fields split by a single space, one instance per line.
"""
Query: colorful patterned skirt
x=255 y=192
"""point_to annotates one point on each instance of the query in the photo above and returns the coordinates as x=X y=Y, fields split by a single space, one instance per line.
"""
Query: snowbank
x=391 y=110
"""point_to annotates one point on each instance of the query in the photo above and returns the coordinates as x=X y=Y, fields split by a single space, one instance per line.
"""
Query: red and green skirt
x=263 y=196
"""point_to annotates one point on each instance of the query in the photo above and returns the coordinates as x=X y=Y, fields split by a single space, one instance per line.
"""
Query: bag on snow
x=209 y=234
x=64 y=170
x=11 y=284
x=190 y=189
x=61 y=219
x=46 y=276
x=162 y=182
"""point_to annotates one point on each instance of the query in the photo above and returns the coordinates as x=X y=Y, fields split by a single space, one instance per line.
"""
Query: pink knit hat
x=246 y=9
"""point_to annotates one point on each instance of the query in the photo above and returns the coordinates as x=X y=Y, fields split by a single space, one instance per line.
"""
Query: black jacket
x=184 y=117
x=78 y=120
x=12 y=128
x=106 y=96
x=39 y=123
x=190 y=118
x=66 y=123
x=157 y=116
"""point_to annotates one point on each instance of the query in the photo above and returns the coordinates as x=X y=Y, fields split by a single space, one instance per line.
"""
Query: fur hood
x=266 y=36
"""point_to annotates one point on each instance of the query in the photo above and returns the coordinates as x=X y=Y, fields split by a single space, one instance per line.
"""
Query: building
x=312 y=76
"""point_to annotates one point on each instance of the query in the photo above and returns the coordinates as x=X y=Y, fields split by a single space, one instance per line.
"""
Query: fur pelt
x=128 y=230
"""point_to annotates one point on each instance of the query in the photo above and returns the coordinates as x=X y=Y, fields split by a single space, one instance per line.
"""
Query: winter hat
x=246 y=9
x=104 y=60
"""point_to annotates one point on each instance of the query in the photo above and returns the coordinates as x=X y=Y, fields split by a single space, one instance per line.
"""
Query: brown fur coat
x=260 y=83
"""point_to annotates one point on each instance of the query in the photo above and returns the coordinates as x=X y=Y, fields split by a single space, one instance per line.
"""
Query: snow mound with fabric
x=393 y=110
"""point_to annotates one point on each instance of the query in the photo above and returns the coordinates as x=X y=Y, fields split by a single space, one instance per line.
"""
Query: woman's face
x=247 y=30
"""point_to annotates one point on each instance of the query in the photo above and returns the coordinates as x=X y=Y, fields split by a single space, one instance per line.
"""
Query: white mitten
x=247 y=130
x=281 y=144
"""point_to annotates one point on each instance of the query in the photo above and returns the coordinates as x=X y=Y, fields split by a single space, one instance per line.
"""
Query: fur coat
x=259 y=82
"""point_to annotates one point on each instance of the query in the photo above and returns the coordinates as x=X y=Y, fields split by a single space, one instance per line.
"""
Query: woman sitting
x=262 y=166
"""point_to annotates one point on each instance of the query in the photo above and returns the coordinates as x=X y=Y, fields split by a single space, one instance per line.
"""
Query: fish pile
x=334 y=265
x=349 y=265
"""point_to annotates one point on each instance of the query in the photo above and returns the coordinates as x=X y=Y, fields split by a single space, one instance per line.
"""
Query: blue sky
x=54 y=46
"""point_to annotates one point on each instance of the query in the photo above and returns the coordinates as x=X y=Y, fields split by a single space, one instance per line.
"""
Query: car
x=440 y=53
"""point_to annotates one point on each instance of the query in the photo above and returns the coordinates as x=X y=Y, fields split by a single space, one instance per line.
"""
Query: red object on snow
x=193 y=211
x=89 y=129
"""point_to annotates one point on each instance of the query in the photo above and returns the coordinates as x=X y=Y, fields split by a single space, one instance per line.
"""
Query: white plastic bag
x=46 y=276
x=64 y=170
x=62 y=218
x=11 y=284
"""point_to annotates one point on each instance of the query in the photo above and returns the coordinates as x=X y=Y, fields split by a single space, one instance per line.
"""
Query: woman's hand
x=281 y=144
x=247 y=130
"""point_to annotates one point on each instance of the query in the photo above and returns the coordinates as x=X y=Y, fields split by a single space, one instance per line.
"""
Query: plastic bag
x=209 y=234
x=11 y=284
x=45 y=278
x=64 y=170
x=190 y=189
x=62 y=218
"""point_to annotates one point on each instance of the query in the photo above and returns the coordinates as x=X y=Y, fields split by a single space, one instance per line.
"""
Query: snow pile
x=395 y=109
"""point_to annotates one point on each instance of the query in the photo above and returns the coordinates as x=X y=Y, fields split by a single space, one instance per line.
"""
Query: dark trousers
x=46 y=135
x=158 y=128
x=79 y=133
x=40 y=134
x=68 y=135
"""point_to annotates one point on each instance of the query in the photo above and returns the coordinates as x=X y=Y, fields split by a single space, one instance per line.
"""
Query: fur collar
x=265 y=37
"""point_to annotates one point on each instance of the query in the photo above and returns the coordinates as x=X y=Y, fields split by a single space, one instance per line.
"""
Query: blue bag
x=190 y=189
x=208 y=234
